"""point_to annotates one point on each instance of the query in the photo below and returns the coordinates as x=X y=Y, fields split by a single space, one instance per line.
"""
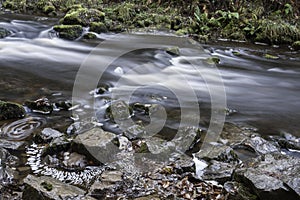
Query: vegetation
x=269 y=21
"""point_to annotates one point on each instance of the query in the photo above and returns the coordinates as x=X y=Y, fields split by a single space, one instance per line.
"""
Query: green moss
x=9 y=110
x=48 y=9
x=296 y=45
x=70 y=32
x=269 y=56
x=98 y=27
x=83 y=16
x=47 y=186
x=90 y=36
x=212 y=60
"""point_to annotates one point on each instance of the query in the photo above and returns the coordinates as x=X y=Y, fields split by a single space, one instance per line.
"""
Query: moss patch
x=70 y=32
x=10 y=110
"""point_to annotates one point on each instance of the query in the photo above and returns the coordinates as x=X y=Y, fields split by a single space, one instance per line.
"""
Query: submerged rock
x=4 y=33
x=9 y=110
x=49 y=134
x=49 y=188
x=69 y=32
x=41 y=105
x=275 y=176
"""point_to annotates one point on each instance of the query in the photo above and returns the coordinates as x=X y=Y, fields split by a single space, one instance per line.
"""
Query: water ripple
x=21 y=129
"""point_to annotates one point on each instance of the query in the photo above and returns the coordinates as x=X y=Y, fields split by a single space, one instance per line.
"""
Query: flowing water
x=34 y=63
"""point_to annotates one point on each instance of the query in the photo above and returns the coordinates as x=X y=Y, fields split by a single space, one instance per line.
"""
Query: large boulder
x=9 y=110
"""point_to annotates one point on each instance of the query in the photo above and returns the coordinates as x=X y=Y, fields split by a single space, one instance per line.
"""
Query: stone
x=296 y=45
x=274 y=176
x=98 y=27
x=100 y=144
x=9 y=110
x=119 y=111
x=69 y=32
x=218 y=171
x=45 y=187
x=41 y=105
x=89 y=36
x=260 y=145
x=83 y=17
x=4 y=32
x=49 y=134
x=12 y=145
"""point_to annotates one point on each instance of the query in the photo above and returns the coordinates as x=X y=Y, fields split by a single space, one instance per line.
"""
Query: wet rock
x=89 y=36
x=296 y=45
x=7 y=161
x=218 y=171
x=69 y=32
x=9 y=110
x=83 y=17
x=119 y=111
x=74 y=160
x=237 y=191
x=41 y=105
x=48 y=134
x=260 y=145
x=62 y=105
x=287 y=141
x=98 y=27
x=79 y=127
x=110 y=182
x=218 y=152
x=101 y=145
x=275 y=176
x=134 y=132
x=49 y=188
x=13 y=145
x=233 y=134
x=4 y=33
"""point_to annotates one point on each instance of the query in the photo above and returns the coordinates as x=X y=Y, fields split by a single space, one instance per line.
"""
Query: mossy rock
x=49 y=9
x=4 y=33
x=70 y=32
x=296 y=45
x=10 y=110
x=83 y=16
x=269 y=56
x=98 y=27
x=89 y=36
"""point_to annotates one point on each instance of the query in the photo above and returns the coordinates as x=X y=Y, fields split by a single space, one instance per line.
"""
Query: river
x=260 y=92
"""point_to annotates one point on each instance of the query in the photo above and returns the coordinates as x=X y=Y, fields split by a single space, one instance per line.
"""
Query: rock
x=48 y=9
x=269 y=56
x=7 y=161
x=296 y=45
x=62 y=105
x=275 y=176
x=45 y=187
x=233 y=134
x=41 y=105
x=119 y=111
x=110 y=182
x=89 y=36
x=13 y=145
x=48 y=134
x=83 y=17
x=134 y=132
x=218 y=152
x=260 y=145
x=98 y=27
x=9 y=110
x=4 y=33
x=101 y=145
x=237 y=191
x=218 y=171
x=69 y=32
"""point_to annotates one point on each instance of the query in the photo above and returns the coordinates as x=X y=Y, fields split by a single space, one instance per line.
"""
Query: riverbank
x=274 y=22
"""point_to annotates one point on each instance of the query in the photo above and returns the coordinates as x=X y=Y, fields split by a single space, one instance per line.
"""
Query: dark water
x=264 y=92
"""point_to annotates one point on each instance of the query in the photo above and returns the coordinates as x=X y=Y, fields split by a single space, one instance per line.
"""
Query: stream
x=261 y=93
